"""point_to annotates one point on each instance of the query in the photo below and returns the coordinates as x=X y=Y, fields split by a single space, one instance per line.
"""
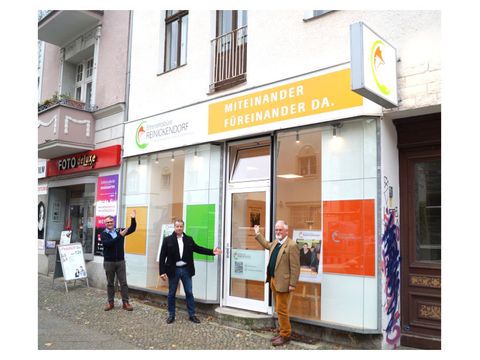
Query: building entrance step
x=244 y=319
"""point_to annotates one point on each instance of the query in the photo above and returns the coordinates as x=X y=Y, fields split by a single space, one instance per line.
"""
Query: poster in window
x=106 y=205
x=167 y=230
x=310 y=244
x=255 y=216
x=41 y=220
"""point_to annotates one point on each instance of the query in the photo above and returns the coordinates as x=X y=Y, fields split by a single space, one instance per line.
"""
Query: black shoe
x=194 y=319
x=170 y=319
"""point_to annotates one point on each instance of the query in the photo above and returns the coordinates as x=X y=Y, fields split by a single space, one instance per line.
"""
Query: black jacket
x=170 y=254
x=113 y=249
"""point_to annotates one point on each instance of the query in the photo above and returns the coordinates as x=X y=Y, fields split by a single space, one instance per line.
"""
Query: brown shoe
x=274 y=338
x=109 y=306
x=280 y=341
x=127 y=306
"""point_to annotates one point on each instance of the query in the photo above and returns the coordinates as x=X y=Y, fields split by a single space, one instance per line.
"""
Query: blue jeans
x=181 y=273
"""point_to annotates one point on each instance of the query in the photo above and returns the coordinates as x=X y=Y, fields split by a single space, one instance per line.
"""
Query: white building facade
x=239 y=118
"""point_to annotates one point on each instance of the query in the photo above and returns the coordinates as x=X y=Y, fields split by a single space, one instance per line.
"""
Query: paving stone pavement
x=76 y=320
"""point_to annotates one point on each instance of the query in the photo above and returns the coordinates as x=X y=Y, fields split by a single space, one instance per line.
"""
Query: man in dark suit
x=176 y=263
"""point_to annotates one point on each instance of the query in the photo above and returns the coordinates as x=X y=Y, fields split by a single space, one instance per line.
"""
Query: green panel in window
x=200 y=224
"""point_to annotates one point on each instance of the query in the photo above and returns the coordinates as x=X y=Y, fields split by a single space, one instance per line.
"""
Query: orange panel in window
x=349 y=237
x=136 y=242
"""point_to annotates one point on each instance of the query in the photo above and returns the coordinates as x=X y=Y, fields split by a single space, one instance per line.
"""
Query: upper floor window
x=83 y=81
x=230 y=20
x=176 y=30
x=229 y=50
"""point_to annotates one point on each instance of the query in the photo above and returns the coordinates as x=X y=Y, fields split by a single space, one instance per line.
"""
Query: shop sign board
x=319 y=94
x=374 y=66
x=85 y=161
x=312 y=98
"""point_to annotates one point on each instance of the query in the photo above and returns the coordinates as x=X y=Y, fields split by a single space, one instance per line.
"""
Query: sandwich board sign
x=70 y=263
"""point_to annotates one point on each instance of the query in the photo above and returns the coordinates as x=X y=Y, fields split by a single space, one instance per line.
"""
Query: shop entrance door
x=246 y=259
x=247 y=204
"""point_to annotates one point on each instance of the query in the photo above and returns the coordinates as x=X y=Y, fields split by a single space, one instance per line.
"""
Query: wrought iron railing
x=229 y=58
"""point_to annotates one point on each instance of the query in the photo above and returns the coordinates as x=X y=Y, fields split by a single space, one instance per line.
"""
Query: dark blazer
x=113 y=249
x=170 y=254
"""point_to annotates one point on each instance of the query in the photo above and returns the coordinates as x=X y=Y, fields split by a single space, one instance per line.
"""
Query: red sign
x=85 y=161
x=349 y=237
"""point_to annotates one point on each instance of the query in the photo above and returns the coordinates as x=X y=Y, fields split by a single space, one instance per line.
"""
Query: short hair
x=108 y=217
x=285 y=225
x=180 y=221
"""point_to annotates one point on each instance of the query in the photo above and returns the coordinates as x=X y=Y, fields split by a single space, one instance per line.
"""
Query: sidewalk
x=76 y=320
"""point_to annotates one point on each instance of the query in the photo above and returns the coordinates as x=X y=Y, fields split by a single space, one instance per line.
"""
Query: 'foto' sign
x=94 y=159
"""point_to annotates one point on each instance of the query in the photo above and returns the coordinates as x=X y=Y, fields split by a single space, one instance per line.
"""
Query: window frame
x=82 y=70
x=176 y=15
x=234 y=23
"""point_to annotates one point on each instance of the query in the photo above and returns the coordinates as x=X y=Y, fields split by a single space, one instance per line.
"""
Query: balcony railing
x=65 y=102
x=229 y=59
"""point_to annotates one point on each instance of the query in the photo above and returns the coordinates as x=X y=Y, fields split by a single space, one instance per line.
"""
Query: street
x=76 y=320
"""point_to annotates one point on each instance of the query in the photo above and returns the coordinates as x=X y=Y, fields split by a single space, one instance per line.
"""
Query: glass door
x=246 y=259
x=247 y=204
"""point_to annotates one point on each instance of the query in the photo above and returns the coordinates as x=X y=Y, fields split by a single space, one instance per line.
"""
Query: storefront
x=70 y=199
x=306 y=150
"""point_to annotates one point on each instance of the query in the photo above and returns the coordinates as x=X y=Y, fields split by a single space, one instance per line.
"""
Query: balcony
x=64 y=127
x=229 y=60
x=61 y=27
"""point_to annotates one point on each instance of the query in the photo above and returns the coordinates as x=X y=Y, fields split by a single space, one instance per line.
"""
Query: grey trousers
x=113 y=268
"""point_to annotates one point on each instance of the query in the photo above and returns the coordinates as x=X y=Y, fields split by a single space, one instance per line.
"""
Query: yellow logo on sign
x=316 y=95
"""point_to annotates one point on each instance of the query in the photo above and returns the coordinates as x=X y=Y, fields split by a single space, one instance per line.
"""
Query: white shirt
x=282 y=241
x=180 y=248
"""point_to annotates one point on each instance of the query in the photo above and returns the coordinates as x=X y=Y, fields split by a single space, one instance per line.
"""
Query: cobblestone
x=143 y=328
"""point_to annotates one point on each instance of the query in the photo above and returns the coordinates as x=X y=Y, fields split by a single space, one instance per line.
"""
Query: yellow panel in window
x=136 y=243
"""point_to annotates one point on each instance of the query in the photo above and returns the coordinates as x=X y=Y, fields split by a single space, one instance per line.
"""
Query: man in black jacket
x=176 y=263
x=114 y=260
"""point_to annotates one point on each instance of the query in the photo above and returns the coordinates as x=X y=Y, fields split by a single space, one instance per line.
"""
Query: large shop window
x=326 y=190
x=181 y=184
